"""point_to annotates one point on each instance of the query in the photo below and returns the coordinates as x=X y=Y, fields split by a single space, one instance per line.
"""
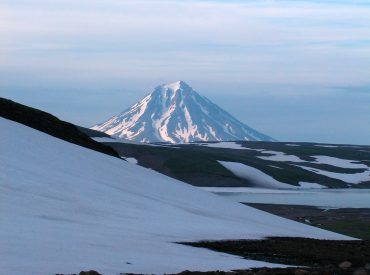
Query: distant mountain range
x=175 y=113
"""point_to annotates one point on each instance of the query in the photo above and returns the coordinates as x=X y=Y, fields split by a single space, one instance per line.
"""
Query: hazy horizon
x=297 y=71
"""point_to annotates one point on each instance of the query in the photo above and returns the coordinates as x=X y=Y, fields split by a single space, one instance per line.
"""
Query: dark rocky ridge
x=51 y=125
x=91 y=132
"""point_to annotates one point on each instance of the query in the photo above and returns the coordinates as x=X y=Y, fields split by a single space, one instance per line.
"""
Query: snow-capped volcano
x=175 y=113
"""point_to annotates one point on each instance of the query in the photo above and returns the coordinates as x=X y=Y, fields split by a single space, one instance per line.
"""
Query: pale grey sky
x=296 y=70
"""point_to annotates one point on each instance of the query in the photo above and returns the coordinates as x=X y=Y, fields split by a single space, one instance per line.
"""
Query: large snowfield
x=64 y=208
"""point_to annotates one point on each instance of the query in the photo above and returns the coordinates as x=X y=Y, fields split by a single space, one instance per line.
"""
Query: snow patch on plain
x=311 y=185
x=326 y=145
x=277 y=167
x=254 y=175
x=355 y=178
x=261 y=179
x=279 y=156
x=225 y=145
x=342 y=163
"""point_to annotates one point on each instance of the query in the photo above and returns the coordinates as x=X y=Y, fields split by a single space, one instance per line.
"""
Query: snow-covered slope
x=65 y=208
x=175 y=113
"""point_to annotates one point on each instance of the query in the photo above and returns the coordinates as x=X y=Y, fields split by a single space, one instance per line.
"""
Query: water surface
x=337 y=198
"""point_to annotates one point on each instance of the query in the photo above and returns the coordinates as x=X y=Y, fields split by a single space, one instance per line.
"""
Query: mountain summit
x=175 y=113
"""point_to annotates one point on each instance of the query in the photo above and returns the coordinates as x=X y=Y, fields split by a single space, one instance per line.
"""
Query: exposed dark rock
x=297 y=251
x=360 y=271
x=91 y=272
x=300 y=272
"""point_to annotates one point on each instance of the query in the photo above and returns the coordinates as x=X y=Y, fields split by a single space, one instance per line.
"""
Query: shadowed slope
x=50 y=124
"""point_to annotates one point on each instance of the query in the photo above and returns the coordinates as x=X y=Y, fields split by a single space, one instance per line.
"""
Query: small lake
x=336 y=198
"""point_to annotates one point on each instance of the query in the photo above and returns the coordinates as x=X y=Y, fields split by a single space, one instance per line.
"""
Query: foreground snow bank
x=65 y=208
